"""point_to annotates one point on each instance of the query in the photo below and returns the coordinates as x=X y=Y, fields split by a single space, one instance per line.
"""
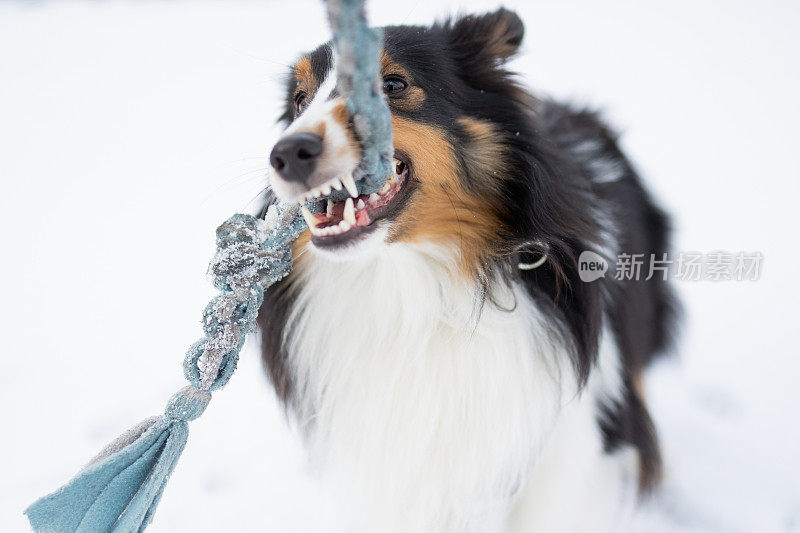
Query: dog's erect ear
x=494 y=36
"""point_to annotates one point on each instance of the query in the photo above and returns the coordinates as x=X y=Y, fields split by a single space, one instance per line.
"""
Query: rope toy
x=120 y=488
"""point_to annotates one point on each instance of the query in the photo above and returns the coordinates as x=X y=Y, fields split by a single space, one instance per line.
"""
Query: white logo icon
x=591 y=266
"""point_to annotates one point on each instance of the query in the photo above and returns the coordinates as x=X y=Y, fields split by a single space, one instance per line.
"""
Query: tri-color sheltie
x=435 y=345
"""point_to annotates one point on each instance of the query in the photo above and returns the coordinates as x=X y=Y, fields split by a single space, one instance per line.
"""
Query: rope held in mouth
x=120 y=488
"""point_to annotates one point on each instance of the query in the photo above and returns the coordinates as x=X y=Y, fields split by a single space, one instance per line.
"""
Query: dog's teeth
x=373 y=198
x=397 y=164
x=311 y=220
x=329 y=208
x=360 y=204
x=336 y=183
x=334 y=230
x=344 y=225
x=326 y=190
x=350 y=184
x=349 y=212
x=385 y=188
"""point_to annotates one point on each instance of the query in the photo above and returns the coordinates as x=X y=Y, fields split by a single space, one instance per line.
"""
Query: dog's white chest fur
x=424 y=411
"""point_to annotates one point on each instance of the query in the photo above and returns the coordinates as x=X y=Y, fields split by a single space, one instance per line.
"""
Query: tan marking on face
x=299 y=250
x=414 y=96
x=442 y=209
x=341 y=117
x=300 y=254
x=303 y=69
x=306 y=81
x=485 y=154
x=319 y=129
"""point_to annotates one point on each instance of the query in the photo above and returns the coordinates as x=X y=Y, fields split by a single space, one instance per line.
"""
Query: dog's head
x=456 y=117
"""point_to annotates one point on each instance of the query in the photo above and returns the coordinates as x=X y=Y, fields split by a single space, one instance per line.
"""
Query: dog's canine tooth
x=349 y=212
x=329 y=208
x=360 y=204
x=373 y=198
x=350 y=184
x=311 y=220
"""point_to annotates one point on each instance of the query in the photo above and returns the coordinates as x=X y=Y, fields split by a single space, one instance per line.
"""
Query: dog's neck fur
x=414 y=397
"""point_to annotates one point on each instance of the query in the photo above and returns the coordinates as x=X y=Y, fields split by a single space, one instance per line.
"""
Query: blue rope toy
x=120 y=488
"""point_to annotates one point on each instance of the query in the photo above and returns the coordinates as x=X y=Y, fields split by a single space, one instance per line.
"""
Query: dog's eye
x=300 y=102
x=394 y=85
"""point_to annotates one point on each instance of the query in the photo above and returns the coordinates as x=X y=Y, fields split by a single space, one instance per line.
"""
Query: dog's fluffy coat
x=439 y=387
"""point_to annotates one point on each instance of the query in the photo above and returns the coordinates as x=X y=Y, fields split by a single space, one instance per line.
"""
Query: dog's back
x=640 y=304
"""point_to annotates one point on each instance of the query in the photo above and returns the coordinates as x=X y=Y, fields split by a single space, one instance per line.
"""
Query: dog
x=435 y=345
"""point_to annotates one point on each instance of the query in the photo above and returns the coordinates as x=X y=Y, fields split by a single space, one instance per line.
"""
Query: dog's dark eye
x=394 y=85
x=300 y=102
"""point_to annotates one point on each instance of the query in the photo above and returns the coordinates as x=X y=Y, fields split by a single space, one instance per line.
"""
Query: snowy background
x=128 y=131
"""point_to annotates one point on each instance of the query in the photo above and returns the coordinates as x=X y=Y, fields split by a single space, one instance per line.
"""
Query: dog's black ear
x=492 y=37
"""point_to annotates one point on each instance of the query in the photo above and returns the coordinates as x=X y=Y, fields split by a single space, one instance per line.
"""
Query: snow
x=129 y=131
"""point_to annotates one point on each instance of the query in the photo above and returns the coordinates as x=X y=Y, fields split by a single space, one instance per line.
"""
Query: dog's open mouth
x=344 y=220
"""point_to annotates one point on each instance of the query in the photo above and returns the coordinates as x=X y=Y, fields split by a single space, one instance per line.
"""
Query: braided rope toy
x=120 y=488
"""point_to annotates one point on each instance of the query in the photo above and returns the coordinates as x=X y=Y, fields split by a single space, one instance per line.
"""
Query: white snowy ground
x=128 y=131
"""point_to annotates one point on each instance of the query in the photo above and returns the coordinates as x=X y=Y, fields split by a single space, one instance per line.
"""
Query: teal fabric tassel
x=117 y=492
x=120 y=489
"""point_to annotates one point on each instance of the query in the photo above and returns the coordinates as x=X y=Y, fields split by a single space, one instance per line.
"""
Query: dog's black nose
x=295 y=156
